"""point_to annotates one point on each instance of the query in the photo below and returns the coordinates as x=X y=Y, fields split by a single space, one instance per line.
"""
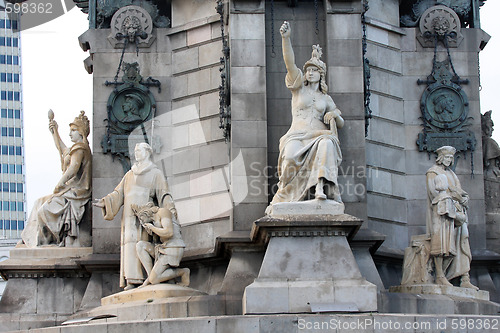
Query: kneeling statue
x=167 y=253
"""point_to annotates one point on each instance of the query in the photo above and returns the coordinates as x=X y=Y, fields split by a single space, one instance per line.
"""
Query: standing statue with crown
x=55 y=218
x=310 y=151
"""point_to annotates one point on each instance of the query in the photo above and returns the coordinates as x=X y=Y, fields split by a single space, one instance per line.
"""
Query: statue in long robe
x=310 y=151
x=491 y=150
x=142 y=184
x=447 y=221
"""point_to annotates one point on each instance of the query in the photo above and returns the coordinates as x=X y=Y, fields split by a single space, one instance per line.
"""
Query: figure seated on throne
x=55 y=219
x=310 y=151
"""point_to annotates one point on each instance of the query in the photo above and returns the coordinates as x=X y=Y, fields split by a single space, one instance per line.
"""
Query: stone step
x=287 y=323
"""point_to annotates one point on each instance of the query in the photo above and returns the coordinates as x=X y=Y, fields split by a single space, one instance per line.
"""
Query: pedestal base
x=436 y=289
x=301 y=296
x=308 y=262
x=155 y=291
x=309 y=207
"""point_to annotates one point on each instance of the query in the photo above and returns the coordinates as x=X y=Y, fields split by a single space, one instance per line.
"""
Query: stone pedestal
x=435 y=289
x=310 y=207
x=156 y=291
x=45 y=285
x=308 y=264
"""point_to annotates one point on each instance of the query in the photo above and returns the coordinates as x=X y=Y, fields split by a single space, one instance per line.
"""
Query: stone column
x=248 y=112
x=345 y=83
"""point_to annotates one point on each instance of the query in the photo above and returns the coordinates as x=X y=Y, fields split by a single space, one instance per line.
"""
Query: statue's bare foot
x=443 y=281
x=184 y=277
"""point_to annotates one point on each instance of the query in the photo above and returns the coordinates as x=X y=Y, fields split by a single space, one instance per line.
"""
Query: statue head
x=487 y=124
x=82 y=125
x=445 y=155
x=145 y=212
x=142 y=152
x=443 y=103
x=320 y=65
x=132 y=105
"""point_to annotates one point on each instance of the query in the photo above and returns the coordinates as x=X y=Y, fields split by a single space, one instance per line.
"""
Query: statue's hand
x=329 y=116
x=147 y=227
x=59 y=187
x=285 y=30
x=99 y=203
x=465 y=201
x=53 y=127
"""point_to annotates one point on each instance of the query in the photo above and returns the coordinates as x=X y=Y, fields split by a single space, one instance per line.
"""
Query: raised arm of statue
x=288 y=55
x=54 y=129
x=55 y=219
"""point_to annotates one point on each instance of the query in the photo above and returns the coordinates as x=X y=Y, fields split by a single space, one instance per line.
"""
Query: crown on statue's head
x=82 y=124
x=316 y=60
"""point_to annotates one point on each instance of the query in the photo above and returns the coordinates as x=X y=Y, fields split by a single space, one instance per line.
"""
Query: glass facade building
x=12 y=179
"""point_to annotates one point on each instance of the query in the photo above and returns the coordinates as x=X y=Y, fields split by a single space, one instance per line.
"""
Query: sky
x=53 y=77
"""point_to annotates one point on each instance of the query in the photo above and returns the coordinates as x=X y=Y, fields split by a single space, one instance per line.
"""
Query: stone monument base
x=308 y=264
x=155 y=307
x=435 y=289
x=150 y=292
x=45 y=285
x=309 y=207
x=373 y=322
x=303 y=296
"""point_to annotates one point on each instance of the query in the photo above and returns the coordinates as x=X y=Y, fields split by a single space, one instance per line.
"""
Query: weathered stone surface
x=249 y=80
x=384 y=58
x=433 y=289
x=23 y=252
x=199 y=35
x=385 y=11
x=309 y=207
x=162 y=290
x=20 y=296
x=248 y=52
x=345 y=79
x=296 y=296
x=298 y=268
x=240 y=26
x=185 y=60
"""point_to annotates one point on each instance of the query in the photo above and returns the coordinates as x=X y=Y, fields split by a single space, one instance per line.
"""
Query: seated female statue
x=55 y=218
x=309 y=152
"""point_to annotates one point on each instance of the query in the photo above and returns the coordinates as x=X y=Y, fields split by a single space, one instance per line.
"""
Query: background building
x=12 y=189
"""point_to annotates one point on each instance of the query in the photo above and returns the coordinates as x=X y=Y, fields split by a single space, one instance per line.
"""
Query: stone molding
x=304 y=233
